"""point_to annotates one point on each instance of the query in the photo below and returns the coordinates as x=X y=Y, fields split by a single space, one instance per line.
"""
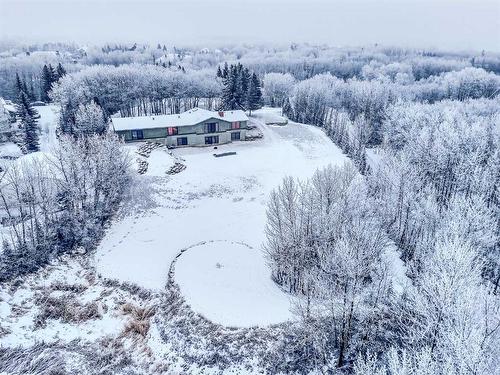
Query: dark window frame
x=183 y=141
x=212 y=140
x=211 y=127
x=235 y=136
x=137 y=134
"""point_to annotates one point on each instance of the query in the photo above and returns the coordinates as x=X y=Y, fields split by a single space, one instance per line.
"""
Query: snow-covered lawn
x=214 y=199
x=229 y=282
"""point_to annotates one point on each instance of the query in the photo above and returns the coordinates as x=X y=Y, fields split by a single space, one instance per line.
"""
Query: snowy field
x=226 y=280
x=214 y=199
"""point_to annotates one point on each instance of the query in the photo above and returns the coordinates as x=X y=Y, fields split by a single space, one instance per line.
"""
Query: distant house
x=8 y=108
x=196 y=127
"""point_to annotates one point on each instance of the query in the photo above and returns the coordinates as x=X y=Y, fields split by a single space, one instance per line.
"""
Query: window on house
x=212 y=140
x=211 y=127
x=235 y=125
x=172 y=131
x=182 y=141
x=235 y=136
x=137 y=134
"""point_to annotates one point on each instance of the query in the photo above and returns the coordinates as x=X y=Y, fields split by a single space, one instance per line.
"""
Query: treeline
x=60 y=203
x=314 y=100
x=136 y=90
x=432 y=200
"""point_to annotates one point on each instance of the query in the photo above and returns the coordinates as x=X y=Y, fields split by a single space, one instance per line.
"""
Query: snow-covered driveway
x=215 y=199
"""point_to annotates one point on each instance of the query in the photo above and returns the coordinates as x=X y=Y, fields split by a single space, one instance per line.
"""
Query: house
x=196 y=127
x=9 y=109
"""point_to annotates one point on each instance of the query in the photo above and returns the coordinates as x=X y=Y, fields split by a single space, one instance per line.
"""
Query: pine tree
x=287 y=109
x=254 y=97
x=219 y=72
x=53 y=74
x=230 y=82
x=18 y=87
x=32 y=91
x=60 y=72
x=27 y=115
x=225 y=71
x=46 y=84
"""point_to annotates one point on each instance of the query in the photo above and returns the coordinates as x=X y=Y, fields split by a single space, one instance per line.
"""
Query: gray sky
x=450 y=24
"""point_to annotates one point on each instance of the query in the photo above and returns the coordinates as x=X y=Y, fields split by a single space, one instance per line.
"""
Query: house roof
x=188 y=118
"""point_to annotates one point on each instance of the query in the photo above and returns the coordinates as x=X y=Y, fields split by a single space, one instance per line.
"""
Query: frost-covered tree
x=324 y=241
x=47 y=81
x=254 y=94
x=27 y=118
x=55 y=204
x=277 y=88
x=89 y=119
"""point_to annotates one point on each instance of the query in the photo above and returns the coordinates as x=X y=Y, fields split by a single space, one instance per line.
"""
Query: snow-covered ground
x=215 y=199
x=47 y=122
x=229 y=282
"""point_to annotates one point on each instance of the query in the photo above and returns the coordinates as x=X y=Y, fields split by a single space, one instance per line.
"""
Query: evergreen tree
x=27 y=115
x=225 y=71
x=230 y=89
x=287 y=109
x=254 y=97
x=245 y=79
x=46 y=84
x=18 y=86
x=219 y=72
x=32 y=91
x=60 y=72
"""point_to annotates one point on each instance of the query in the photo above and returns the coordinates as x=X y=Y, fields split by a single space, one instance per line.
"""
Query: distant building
x=8 y=108
x=196 y=127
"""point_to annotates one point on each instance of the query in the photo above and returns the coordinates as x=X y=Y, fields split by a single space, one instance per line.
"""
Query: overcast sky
x=450 y=24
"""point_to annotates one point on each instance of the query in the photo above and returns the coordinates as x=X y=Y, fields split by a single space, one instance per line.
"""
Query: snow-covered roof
x=188 y=118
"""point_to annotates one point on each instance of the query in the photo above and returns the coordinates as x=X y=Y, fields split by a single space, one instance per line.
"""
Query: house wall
x=199 y=139
x=195 y=134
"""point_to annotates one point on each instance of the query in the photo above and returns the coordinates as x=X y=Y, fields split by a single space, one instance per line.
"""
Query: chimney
x=221 y=113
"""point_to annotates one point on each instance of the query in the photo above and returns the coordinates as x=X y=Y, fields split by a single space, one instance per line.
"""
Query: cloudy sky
x=450 y=24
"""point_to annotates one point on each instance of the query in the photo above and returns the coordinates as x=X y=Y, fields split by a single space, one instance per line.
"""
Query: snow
x=374 y=157
x=213 y=199
x=48 y=123
x=188 y=118
x=271 y=116
x=21 y=324
x=159 y=162
x=10 y=149
x=228 y=283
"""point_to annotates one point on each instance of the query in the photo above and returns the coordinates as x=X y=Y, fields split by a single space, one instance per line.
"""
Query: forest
x=393 y=258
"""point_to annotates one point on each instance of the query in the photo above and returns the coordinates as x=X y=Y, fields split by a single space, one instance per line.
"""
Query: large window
x=235 y=136
x=212 y=140
x=172 y=131
x=235 y=125
x=182 y=141
x=211 y=127
x=137 y=134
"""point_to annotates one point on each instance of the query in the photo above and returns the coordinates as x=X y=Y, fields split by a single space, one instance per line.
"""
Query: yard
x=220 y=201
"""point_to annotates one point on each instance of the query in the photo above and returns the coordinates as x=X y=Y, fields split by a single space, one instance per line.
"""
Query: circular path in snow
x=229 y=283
